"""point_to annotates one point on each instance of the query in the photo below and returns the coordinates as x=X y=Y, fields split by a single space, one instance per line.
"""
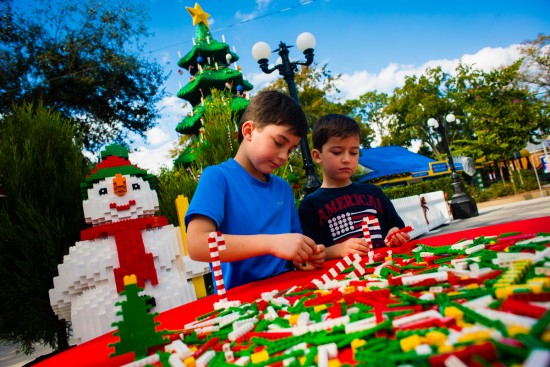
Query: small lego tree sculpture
x=137 y=329
x=208 y=62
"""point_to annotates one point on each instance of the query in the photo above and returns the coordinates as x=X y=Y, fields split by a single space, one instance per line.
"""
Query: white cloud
x=153 y=158
x=153 y=153
x=392 y=76
x=157 y=136
x=260 y=80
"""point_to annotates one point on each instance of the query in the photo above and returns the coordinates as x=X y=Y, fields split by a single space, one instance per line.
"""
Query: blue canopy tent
x=393 y=160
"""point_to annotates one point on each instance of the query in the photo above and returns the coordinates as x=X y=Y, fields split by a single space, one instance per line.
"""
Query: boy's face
x=338 y=159
x=270 y=147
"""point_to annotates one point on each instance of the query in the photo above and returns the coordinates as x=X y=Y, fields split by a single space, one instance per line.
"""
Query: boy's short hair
x=333 y=125
x=272 y=107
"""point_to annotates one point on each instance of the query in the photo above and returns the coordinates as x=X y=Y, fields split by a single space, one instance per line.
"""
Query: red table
x=96 y=352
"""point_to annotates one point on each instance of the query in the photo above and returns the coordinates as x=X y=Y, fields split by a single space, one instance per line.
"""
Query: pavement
x=518 y=207
x=500 y=211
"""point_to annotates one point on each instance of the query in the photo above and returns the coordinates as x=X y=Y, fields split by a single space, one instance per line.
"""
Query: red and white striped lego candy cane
x=342 y=265
x=216 y=243
x=366 y=232
x=374 y=224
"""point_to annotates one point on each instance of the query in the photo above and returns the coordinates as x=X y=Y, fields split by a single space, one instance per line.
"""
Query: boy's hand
x=350 y=247
x=294 y=246
x=315 y=261
x=396 y=237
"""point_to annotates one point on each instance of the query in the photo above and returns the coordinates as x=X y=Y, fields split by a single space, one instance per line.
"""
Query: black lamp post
x=261 y=52
x=462 y=205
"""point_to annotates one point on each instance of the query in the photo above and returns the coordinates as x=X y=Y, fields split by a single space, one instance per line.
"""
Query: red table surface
x=96 y=352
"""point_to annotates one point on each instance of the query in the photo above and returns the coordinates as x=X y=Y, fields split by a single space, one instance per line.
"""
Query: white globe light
x=450 y=118
x=261 y=50
x=433 y=123
x=305 y=41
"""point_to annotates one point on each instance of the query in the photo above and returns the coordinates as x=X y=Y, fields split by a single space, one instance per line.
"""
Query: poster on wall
x=545 y=164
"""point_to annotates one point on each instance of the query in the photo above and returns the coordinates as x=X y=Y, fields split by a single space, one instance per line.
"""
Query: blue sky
x=372 y=44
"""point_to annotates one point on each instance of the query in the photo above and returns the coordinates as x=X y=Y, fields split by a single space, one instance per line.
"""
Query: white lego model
x=126 y=238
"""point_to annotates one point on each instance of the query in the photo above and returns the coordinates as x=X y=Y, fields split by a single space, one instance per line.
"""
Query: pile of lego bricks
x=478 y=302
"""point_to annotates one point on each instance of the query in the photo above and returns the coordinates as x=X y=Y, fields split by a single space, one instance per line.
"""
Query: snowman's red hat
x=114 y=159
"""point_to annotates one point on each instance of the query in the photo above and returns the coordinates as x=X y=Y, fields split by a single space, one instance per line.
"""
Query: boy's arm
x=289 y=246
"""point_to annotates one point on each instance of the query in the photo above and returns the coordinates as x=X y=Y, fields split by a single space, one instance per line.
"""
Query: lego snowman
x=125 y=238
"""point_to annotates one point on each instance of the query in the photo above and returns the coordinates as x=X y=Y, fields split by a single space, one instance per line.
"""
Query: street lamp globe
x=450 y=118
x=433 y=123
x=305 y=41
x=260 y=51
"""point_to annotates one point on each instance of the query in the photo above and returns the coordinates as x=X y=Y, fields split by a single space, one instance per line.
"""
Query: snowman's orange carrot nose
x=119 y=184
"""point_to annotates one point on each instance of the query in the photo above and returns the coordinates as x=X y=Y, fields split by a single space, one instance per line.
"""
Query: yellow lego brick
x=189 y=361
x=293 y=319
x=545 y=337
x=444 y=348
x=334 y=363
x=200 y=288
x=182 y=204
x=539 y=281
x=319 y=308
x=356 y=343
x=410 y=342
x=435 y=338
x=259 y=357
x=453 y=312
x=517 y=329
x=474 y=337
x=349 y=289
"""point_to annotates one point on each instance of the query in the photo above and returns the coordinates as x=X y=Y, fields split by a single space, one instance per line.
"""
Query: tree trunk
x=501 y=173
x=62 y=335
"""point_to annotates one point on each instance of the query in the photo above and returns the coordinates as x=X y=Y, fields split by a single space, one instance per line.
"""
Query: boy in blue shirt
x=332 y=214
x=253 y=208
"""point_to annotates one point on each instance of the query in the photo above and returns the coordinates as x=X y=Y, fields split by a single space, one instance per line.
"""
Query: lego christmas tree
x=136 y=330
x=209 y=63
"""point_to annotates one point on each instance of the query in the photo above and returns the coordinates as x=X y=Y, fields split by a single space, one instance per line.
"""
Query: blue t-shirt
x=239 y=204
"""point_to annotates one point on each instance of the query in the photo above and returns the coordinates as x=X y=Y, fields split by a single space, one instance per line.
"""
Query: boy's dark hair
x=339 y=126
x=275 y=108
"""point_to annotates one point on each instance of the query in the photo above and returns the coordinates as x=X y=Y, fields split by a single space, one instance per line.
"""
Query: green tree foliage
x=505 y=116
x=410 y=107
x=220 y=143
x=536 y=65
x=83 y=59
x=41 y=167
x=496 y=116
x=370 y=107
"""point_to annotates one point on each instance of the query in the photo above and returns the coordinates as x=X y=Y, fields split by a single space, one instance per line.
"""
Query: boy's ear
x=247 y=128
x=316 y=155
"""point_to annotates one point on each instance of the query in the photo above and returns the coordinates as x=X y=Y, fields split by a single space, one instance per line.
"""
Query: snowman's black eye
x=135 y=186
x=103 y=191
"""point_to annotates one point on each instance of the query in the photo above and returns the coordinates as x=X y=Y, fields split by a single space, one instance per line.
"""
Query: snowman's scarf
x=130 y=248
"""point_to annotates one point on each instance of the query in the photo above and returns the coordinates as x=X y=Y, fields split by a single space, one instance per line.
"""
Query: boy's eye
x=277 y=143
x=135 y=186
x=103 y=191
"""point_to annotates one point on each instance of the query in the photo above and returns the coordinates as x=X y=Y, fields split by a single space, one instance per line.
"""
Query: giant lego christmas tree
x=209 y=63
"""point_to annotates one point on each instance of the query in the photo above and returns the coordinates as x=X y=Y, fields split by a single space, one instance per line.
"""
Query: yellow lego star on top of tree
x=198 y=15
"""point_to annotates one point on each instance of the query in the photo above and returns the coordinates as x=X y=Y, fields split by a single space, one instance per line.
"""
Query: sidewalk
x=508 y=209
